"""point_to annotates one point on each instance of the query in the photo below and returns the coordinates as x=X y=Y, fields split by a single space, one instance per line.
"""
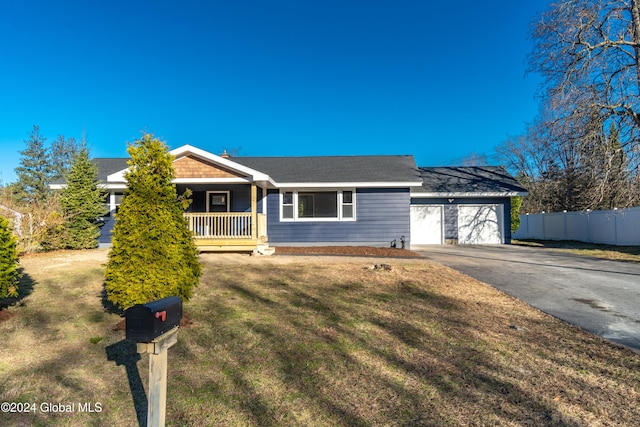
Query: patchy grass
x=298 y=341
x=616 y=253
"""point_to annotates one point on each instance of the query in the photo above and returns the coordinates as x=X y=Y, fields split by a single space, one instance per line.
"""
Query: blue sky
x=438 y=80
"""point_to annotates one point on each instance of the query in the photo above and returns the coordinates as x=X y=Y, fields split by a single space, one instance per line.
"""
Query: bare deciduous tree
x=588 y=51
x=583 y=150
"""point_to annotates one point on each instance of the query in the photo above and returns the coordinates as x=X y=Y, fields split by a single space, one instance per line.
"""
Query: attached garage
x=427 y=225
x=463 y=205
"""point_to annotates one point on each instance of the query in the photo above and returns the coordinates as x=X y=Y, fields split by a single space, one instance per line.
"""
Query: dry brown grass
x=315 y=341
x=616 y=253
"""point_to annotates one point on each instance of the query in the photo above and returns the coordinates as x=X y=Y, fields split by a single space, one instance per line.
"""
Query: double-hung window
x=348 y=204
x=287 y=205
x=317 y=205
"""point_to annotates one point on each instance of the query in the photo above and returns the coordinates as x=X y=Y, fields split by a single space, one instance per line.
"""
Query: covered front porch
x=228 y=200
x=231 y=231
x=227 y=217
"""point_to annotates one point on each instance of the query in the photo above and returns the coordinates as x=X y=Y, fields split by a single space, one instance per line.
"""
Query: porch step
x=264 y=249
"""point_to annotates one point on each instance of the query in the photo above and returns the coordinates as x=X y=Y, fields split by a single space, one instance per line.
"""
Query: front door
x=218 y=201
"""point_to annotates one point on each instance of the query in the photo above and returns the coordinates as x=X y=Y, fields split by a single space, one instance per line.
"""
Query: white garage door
x=426 y=225
x=480 y=225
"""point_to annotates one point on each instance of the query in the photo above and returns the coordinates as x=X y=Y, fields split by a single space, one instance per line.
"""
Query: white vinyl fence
x=617 y=227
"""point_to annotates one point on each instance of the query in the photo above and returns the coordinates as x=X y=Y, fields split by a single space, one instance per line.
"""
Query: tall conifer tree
x=34 y=172
x=153 y=254
x=82 y=202
x=63 y=152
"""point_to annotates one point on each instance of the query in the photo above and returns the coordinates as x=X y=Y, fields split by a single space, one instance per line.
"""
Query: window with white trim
x=347 y=204
x=317 y=205
x=287 y=205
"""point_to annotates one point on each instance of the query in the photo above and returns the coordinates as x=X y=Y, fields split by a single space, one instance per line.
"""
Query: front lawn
x=299 y=341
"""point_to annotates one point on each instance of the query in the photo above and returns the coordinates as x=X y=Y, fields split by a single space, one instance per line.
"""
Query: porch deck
x=229 y=231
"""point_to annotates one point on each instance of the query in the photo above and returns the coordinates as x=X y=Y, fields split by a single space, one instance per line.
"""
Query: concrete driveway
x=600 y=296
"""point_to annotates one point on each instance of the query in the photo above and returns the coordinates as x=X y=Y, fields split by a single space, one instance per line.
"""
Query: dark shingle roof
x=471 y=179
x=106 y=166
x=311 y=169
x=329 y=169
x=364 y=169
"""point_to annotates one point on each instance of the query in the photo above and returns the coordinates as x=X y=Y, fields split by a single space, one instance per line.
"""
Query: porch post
x=254 y=207
x=112 y=201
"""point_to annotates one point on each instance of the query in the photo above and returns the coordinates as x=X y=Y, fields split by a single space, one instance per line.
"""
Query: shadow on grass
x=25 y=288
x=124 y=353
x=108 y=306
x=312 y=346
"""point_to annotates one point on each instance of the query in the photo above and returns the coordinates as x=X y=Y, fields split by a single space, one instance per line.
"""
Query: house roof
x=467 y=181
x=106 y=166
x=390 y=170
x=335 y=169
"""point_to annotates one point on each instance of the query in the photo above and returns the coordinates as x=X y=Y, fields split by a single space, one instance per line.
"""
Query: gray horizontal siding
x=381 y=216
x=451 y=212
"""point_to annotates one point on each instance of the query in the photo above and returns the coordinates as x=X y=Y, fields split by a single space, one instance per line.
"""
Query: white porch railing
x=231 y=225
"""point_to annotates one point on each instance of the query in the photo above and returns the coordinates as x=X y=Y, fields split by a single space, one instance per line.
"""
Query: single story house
x=249 y=203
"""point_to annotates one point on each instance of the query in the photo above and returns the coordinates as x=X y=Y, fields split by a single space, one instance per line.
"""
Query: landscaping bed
x=345 y=250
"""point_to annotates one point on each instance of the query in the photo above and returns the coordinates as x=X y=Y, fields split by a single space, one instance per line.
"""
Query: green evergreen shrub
x=82 y=202
x=9 y=267
x=153 y=254
x=516 y=204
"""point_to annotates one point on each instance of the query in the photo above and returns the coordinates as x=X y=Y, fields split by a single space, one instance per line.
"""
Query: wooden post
x=157 y=389
x=254 y=209
x=157 y=350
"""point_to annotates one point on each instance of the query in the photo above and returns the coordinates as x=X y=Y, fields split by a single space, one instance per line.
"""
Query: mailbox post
x=155 y=328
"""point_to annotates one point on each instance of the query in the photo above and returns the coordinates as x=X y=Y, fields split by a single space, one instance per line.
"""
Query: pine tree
x=9 y=273
x=34 y=172
x=81 y=202
x=63 y=152
x=153 y=254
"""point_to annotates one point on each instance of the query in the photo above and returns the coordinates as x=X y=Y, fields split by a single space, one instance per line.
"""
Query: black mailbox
x=146 y=322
